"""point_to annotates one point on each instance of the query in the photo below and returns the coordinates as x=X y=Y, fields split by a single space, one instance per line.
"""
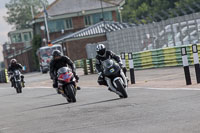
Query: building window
x=59 y=25
x=108 y=16
x=27 y=36
x=97 y=17
x=68 y=23
x=56 y=25
x=16 y=38
x=88 y=20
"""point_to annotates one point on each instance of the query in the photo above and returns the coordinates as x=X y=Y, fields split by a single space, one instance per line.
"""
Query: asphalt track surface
x=159 y=102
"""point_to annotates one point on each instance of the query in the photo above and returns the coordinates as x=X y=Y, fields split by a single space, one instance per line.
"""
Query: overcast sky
x=5 y=27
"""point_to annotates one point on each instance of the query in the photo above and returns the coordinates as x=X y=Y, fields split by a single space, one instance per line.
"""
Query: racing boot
x=58 y=91
x=12 y=84
x=23 y=83
x=78 y=88
x=110 y=89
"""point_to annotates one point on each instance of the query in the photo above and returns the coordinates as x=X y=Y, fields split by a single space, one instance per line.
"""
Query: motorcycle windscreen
x=108 y=63
x=110 y=68
x=63 y=70
x=17 y=74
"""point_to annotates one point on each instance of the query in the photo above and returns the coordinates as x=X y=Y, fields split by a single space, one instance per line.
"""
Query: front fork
x=108 y=80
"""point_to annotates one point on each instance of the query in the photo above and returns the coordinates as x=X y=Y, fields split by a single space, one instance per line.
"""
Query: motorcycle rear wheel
x=121 y=89
x=71 y=94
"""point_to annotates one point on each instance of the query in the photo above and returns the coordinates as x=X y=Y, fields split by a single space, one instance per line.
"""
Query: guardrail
x=88 y=65
x=4 y=76
x=158 y=58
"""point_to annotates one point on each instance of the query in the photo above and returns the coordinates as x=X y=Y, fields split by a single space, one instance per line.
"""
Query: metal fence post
x=131 y=66
x=123 y=59
x=91 y=66
x=196 y=62
x=85 y=67
x=186 y=66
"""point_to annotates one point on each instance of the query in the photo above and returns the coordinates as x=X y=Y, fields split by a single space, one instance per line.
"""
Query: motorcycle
x=115 y=78
x=17 y=81
x=67 y=84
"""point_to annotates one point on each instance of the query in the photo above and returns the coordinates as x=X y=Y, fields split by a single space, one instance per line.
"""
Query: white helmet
x=101 y=49
x=13 y=61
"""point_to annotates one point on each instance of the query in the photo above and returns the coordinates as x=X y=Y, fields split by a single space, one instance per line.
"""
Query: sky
x=4 y=26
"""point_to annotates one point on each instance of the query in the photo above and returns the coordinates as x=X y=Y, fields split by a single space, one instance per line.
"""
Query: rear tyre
x=121 y=89
x=70 y=91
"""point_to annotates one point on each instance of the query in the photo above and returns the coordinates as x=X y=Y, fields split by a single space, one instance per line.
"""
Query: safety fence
x=158 y=58
x=4 y=76
x=88 y=65
x=162 y=57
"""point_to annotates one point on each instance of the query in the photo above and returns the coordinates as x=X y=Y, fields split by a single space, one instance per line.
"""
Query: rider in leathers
x=57 y=62
x=103 y=54
x=12 y=67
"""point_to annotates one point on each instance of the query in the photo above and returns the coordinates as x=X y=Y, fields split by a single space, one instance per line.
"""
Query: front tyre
x=18 y=87
x=71 y=93
x=121 y=89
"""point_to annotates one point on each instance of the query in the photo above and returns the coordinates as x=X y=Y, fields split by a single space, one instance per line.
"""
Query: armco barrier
x=4 y=76
x=79 y=63
x=89 y=66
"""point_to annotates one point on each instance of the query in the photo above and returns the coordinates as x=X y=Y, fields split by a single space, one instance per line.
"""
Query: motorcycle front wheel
x=71 y=94
x=121 y=89
x=18 y=87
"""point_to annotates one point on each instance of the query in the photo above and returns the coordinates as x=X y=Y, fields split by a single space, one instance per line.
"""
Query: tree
x=146 y=10
x=36 y=43
x=20 y=12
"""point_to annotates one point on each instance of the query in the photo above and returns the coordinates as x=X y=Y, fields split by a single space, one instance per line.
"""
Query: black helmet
x=56 y=53
x=101 y=49
x=13 y=61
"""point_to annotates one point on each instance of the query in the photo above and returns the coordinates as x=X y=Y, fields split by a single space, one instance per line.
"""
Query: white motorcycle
x=115 y=78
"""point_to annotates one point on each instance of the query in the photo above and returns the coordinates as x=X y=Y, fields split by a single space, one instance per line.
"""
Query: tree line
x=147 y=11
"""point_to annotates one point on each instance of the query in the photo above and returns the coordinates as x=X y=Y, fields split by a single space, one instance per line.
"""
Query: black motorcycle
x=17 y=80
x=115 y=78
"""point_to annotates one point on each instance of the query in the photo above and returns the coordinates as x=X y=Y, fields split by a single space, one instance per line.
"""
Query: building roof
x=97 y=29
x=20 y=31
x=60 y=7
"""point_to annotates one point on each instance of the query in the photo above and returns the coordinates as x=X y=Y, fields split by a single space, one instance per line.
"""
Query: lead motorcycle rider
x=12 y=67
x=103 y=54
x=57 y=62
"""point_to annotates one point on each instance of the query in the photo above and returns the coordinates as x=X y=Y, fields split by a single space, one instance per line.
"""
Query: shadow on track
x=103 y=101
x=46 y=95
x=49 y=106
x=9 y=95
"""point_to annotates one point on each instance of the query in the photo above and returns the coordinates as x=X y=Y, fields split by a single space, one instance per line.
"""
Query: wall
x=114 y=16
x=76 y=49
x=25 y=58
x=78 y=22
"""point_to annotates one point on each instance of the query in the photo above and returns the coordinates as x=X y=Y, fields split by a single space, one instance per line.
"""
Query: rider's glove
x=76 y=76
